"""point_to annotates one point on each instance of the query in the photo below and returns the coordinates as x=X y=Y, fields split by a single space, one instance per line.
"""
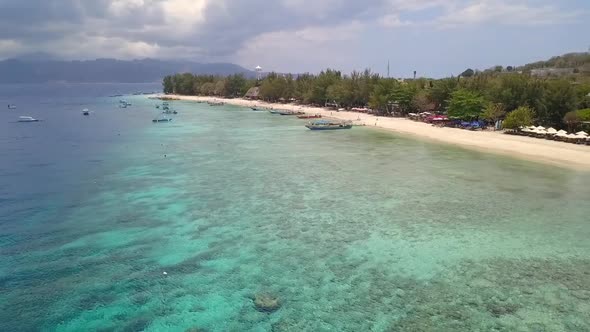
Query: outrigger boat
x=328 y=125
x=290 y=113
x=306 y=116
x=156 y=120
x=27 y=119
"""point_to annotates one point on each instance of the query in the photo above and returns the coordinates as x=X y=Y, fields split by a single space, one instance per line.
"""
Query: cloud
x=237 y=30
x=504 y=12
x=457 y=13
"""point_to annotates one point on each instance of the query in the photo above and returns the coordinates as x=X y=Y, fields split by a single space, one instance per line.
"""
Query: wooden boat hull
x=310 y=127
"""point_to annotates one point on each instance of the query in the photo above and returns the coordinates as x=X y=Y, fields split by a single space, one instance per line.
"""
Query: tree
x=421 y=102
x=572 y=120
x=168 y=84
x=584 y=115
x=510 y=68
x=493 y=112
x=467 y=73
x=560 y=98
x=403 y=95
x=465 y=104
x=235 y=85
x=381 y=95
x=441 y=91
x=520 y=117
x=325 y=79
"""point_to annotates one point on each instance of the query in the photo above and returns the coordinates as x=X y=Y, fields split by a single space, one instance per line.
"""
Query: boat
x=11 y=107
x=274 y=111
x=168 y=111
x=307 y=116
x=290 y=113
x=156 y=120
x=85 y=112
x=214 y=103
x=328 y=125
x=27 y=119
x=256 y=109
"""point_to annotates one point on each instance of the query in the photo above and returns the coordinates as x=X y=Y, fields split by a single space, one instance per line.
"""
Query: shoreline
x=533 y=149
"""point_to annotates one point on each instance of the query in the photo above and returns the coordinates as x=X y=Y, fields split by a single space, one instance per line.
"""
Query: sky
x=434 y=37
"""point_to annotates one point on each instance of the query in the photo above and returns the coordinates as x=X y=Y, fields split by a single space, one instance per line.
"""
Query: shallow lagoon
x=354 y=230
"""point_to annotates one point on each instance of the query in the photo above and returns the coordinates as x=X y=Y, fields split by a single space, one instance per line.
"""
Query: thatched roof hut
x=253 y=93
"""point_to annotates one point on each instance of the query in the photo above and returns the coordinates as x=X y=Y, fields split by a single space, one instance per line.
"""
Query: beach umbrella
x=562 y=132
x=526 y=130
x=582 y=133
x=551 y=131
x=541 y=128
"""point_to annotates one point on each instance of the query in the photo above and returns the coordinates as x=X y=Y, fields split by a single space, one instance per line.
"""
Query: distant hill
x=37 y=69
x=578 y=61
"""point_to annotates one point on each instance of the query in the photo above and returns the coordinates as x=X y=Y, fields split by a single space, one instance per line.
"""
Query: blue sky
x=434 y=37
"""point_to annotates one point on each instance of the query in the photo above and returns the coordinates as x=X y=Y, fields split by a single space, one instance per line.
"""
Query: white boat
x=27 y=119
x=85 y=112
x=11 y=107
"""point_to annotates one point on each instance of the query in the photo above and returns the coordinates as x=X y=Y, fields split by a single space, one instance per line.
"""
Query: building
x=253 y=93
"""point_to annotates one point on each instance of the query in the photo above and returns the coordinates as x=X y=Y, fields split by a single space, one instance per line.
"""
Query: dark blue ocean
x=231 y=220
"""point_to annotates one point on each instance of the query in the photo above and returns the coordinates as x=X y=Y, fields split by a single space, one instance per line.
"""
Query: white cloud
x=185 y=13
x=504 y=12
x=10 y=47
x=455 y=13
x=393 y=21
x=125 y=7
x=308 y=49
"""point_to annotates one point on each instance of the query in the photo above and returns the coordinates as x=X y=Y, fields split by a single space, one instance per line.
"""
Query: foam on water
x=353 y=231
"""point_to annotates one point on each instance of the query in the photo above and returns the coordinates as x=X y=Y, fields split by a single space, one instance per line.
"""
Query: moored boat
x=328 y=125
x=274 y=111
x=156 y=120
x=291 y=113
x=215 y=103
x=27 y=119
x=85 y=112
x=309 y=116
x=11 y=107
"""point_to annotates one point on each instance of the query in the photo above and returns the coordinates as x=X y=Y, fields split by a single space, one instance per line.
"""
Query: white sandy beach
x=551 y=152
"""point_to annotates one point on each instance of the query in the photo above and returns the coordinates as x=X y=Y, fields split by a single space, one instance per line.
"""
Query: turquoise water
x=354 y=230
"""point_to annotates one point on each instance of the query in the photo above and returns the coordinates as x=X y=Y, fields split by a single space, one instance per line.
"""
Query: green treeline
x=483 y=95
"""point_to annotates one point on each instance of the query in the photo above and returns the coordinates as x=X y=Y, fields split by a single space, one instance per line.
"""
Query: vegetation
x=490 y=95
x=520 y=117
x=493 y=112
x=465 y=104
